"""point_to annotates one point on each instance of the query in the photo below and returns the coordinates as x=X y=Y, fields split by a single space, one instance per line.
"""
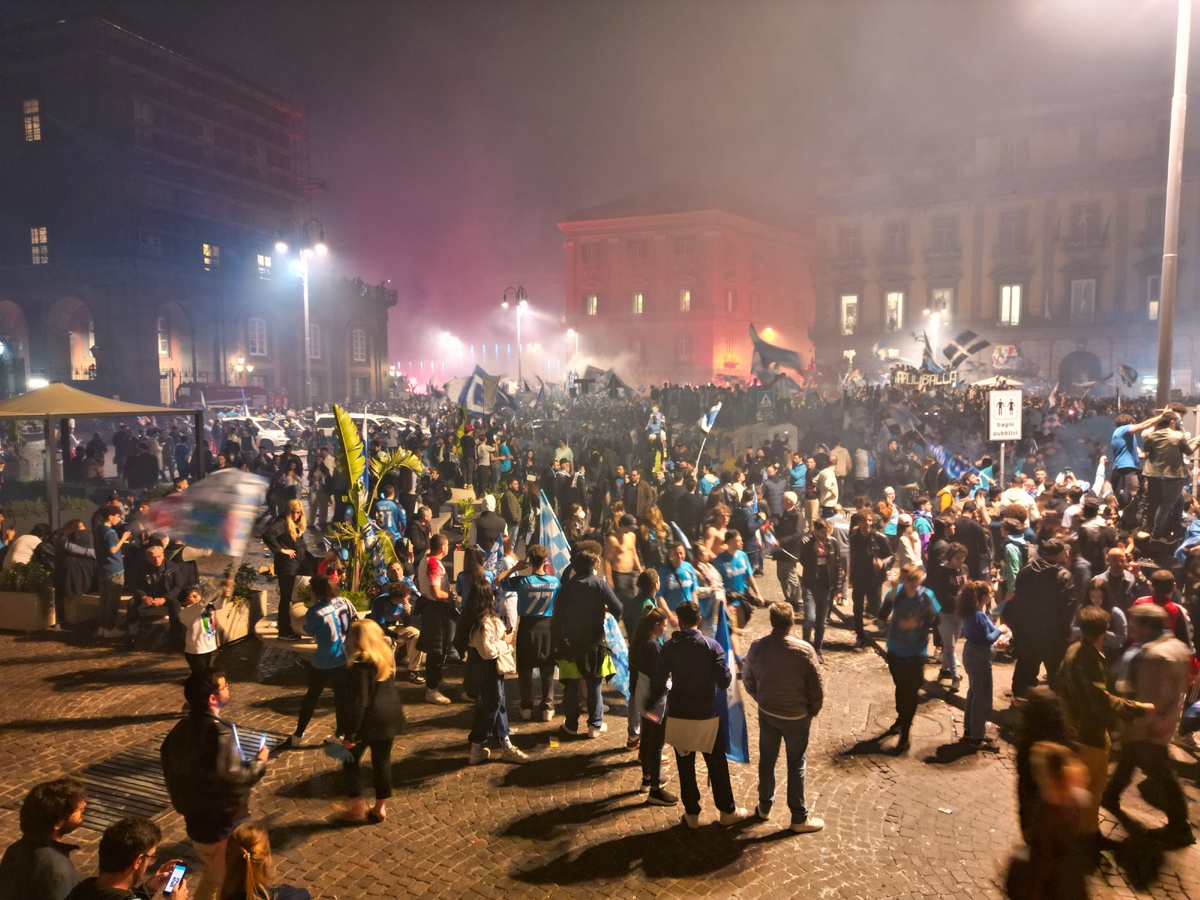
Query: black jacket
x=207 y=778
x=809 y=560
x=372 y=710
x=788 y=532
x=864 y=550
x=577 y=624
x=978 y=542
x=168 y=580
x=1043 y=604
x=277 y=539
x=488 y=527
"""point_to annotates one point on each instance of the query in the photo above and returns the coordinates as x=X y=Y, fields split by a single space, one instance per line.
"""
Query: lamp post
x=308 y=249
x=242 y=368
x=522 y=301
x=1170 y=258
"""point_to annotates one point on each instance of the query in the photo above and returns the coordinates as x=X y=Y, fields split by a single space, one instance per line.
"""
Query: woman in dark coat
x=372 y=715
x=74 y=565
x=286 y=540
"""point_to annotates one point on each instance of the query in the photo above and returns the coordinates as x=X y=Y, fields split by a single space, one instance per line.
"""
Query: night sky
x=454 y=134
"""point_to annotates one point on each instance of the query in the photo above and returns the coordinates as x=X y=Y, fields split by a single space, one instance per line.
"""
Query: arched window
x=358 y=345
x=256 y=337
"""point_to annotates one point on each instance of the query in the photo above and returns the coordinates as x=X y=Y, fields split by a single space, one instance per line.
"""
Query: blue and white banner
x=730 y=707
x=709 y=419
x=618 y=651
x=216 y=512
x=494 y=562
x=681 y=537
x=553 y=538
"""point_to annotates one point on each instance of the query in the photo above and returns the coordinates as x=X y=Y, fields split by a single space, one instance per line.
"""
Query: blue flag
x=687 y=545
x=709 y=419
x=494 y=562
x=730 y=707
x=245 y=404
x=618 y=651
x=553 y=538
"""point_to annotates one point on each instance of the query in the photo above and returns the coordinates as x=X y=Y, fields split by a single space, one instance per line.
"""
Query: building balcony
x=895 y=259
x=848 y=262
x=942 y=254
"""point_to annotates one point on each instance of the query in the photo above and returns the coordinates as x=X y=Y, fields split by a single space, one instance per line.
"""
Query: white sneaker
x=526 y=714
x=809 y=825
x=479 y=754
x=597 y=730
x=432 y=696
x=547 y=714
x=511 y=754
x=732 y=818
x=763 y=816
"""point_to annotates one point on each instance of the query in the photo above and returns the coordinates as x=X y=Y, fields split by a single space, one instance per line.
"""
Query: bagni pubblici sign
x=910 y=376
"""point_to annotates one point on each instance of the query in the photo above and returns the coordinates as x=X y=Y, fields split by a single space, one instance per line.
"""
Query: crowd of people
x=862 y=506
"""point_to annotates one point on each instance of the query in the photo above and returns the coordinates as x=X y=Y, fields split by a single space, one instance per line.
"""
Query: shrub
x=28 y=578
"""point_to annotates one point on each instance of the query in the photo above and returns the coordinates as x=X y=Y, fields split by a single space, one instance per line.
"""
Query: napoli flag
x=618 y=652
x=709 y=419
x=553 y=538
x=730 y=707
x=216 y=512
x=494 y=562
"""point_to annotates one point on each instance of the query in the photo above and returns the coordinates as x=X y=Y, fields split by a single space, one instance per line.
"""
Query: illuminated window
x=211 y=254
x=256 y=337
x=1083 y=301
x=1010 y=304
x=1153 y=296
x=164 y=337
x=264 y=266
x=849 y=304
x=941 y=299
x=893 y=310
x=33 y=120
x=683 y=347
x=639 y=303
x=38 y=246
x=685 y=300
x=314 y=341
x=731 y=300
x=358 y=345
x=591 y=304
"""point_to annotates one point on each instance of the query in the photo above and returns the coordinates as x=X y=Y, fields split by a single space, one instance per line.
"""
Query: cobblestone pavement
x=931 y=823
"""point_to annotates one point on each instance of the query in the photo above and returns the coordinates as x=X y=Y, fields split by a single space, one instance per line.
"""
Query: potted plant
x=26 y=597
x=236 y=618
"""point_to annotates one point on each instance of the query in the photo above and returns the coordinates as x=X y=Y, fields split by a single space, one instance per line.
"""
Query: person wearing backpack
x=328 y=621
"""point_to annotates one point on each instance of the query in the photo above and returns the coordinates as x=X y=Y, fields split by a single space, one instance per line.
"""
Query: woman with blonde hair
x=248 y=867
x=285 y=539
x=372 y=716
x=653 y=537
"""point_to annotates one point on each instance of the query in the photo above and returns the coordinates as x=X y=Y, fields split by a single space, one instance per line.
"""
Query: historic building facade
x=666 y=291
x=1040 y=231
x=144 y=194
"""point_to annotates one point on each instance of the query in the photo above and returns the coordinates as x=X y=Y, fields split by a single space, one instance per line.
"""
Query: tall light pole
x=308 y=249
x=522 y=301
x=1170 y=259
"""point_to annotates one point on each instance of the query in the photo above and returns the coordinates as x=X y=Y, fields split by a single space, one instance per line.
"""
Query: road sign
x=765 y=406
x=1004 y=415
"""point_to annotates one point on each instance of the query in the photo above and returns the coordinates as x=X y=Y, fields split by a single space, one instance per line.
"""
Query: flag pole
x=703 y=441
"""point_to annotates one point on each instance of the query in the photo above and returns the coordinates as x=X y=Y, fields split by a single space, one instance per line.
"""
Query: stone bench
x=233 y=621
x=267 y=632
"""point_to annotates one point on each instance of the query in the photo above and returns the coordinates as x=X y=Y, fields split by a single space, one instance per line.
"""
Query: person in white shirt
x=199 y=628
x=1018 y=495
x=21 y=550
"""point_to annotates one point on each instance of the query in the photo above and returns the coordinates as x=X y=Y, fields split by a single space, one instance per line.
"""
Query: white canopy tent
x=63 y=402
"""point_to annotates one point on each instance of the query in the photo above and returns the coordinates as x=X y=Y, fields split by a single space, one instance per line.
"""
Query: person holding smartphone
x=128 y=850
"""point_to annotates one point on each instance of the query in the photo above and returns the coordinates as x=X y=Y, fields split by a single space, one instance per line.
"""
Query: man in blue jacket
x=697 y=669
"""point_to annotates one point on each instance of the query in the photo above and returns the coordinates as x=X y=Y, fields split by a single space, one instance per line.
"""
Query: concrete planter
x=236 y=621
x=20 y=611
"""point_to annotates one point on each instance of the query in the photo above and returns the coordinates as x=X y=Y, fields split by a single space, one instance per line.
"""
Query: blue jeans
x=816 y=613
x=949 y=626
x=595 y=710
x=491 y=713
x=977 y=660
x=794 y=734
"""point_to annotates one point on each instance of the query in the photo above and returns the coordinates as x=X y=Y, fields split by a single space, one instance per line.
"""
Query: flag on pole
x=928 y=363
x=709 y=419
x=730 y=707
x=245 y=404
x=966 y=344
x=769 y=353
x=553 y=538
x=681 y=537
x=618 y=652
x=215 y=513
x=494 y=562
x=1129 y=375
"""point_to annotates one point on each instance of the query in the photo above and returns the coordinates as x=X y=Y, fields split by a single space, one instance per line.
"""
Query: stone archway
x=175 y=342
x=1080 y=368
x=70 y=339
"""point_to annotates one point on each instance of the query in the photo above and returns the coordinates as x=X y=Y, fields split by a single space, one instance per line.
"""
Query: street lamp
x=308 y=249
x=242 y=368
x=522 y=301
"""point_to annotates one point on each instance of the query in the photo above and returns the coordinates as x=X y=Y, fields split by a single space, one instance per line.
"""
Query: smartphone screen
x=176 y=877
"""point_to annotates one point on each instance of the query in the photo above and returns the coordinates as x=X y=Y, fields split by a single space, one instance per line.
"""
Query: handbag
x=506 y=661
